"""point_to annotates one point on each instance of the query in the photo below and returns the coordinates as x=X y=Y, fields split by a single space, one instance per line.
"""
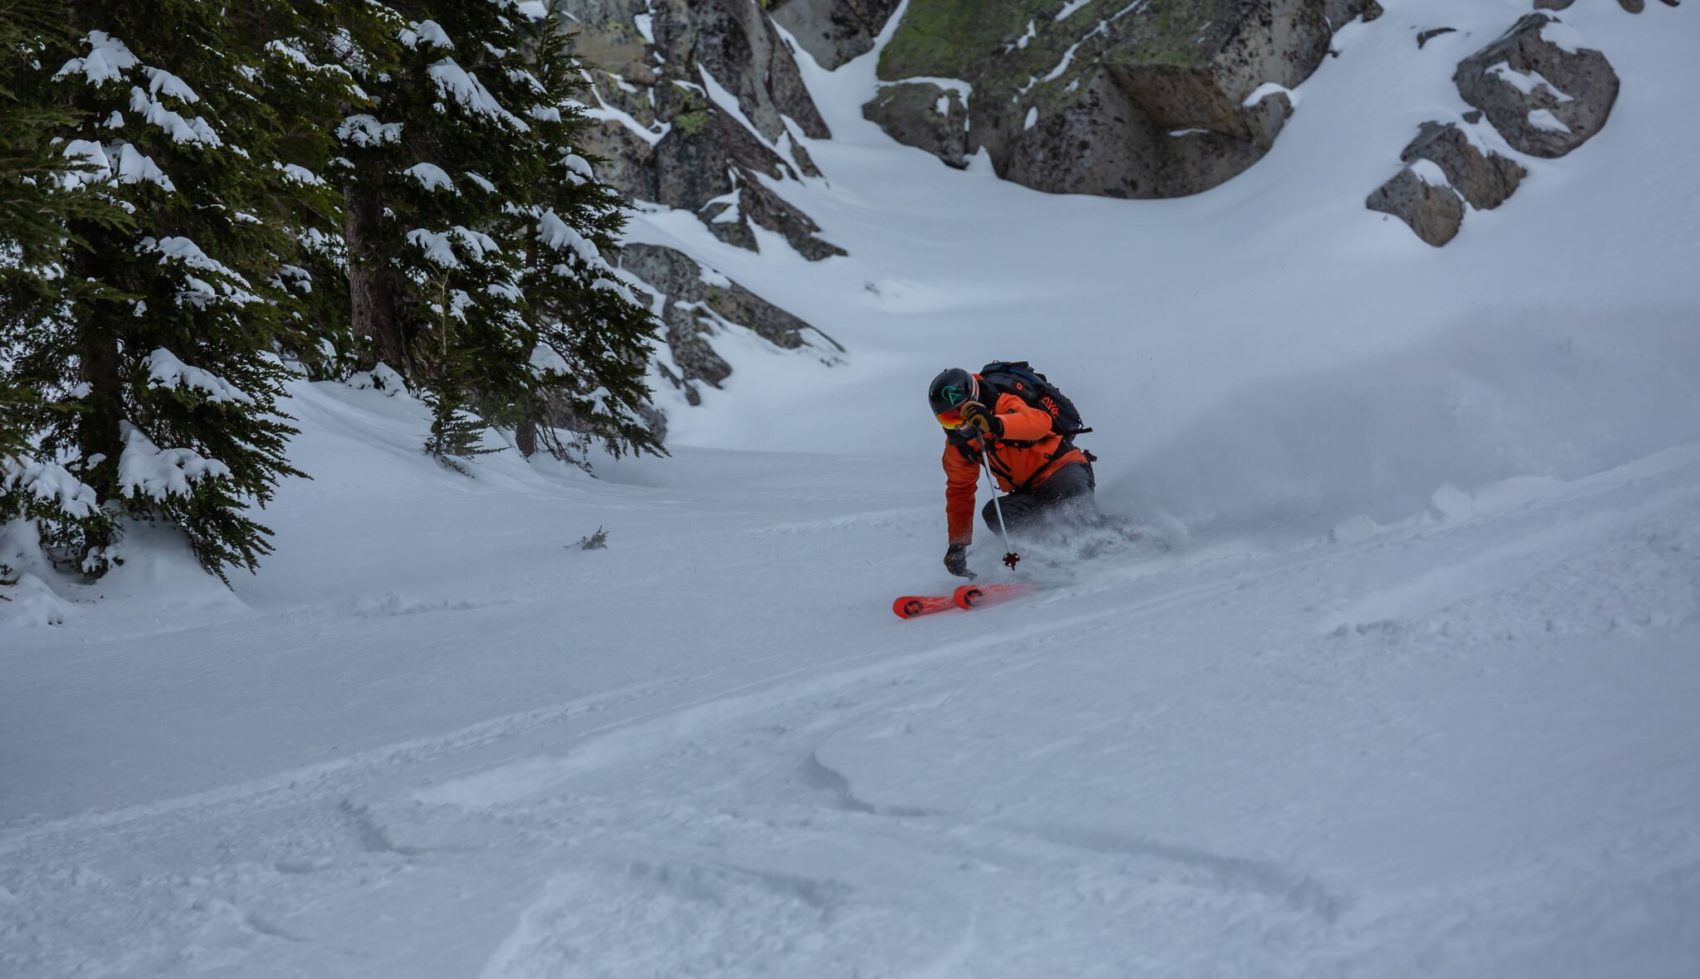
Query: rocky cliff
x=1125 y=98
x=700 y=106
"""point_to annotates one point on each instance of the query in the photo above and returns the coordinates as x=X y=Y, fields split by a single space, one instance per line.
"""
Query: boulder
x=1266 y=115
x=1193 y=65
x=923 y=115
x=1445 y=169
x=1099 y=143
x=1126 y=100
x=1420 y=196
x=1484 y=178
x=1553 y=4
x=1543 y=91
x=1633 y=6
x=833 y=31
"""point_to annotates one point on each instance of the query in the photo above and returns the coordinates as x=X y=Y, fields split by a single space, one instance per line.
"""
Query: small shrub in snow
x=456 y=435
x=593 y=542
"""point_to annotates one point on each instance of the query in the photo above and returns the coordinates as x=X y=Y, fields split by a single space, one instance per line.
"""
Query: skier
x=1030 y=451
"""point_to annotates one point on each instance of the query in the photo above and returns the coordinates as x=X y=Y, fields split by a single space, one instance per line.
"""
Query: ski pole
x=1010 y=558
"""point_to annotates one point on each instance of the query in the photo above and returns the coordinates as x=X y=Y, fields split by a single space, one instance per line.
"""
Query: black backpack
x=1018 y=377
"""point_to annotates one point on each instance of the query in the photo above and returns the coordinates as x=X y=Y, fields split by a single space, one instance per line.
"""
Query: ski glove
x=975 y=415
x=956 y=561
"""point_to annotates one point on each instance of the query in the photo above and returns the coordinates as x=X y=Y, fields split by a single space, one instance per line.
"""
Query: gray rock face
x=924 y=115
x=1433 y=210
x=1544 y=99
x=1086 y=146
x=833 y=31
x=655 y=68
x=1124 y=100
x=698 y=105
x=1485 y=179
x=735 y=43
x=1339 y=13
x=695 y=302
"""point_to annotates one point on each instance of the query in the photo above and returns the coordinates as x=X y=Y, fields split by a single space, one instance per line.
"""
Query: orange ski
x=979 y=596
x=911 y=606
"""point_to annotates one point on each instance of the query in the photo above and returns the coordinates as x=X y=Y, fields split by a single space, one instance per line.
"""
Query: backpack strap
x=1002 y=385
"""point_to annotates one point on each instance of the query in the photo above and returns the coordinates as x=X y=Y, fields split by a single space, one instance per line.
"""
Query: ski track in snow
x=888 y=808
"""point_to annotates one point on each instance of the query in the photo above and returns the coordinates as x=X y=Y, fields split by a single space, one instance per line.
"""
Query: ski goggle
x=951 y=419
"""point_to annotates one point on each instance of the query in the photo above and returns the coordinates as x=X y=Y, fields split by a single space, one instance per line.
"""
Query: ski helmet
x=950 y=389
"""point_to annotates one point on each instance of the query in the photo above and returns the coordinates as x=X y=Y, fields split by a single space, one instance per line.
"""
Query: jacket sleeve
x=962 y=479
x=1021 y=421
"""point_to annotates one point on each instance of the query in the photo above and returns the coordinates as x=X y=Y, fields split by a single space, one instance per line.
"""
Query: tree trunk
x=371 y=284
x=99 y=423
x=98 y=428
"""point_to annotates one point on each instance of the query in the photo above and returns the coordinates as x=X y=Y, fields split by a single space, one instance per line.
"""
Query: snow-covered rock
x=1423 y=199
x=1539 y=70
x=1485 y=178
x=924 y=115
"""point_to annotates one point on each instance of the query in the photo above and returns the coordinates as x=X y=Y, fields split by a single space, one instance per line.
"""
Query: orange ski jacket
x=1022 y=457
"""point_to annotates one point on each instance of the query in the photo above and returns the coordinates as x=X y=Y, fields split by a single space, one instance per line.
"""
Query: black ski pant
x=1066 y=489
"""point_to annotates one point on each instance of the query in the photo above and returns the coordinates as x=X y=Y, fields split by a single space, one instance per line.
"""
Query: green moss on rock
x=691 y=123
x=954 y=38
x=1174 y=32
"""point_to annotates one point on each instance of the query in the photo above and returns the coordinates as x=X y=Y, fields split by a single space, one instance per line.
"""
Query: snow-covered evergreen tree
x=144 y=349
x=592 y=339
x=34 y=209
x=327 y=42
x=476 y=233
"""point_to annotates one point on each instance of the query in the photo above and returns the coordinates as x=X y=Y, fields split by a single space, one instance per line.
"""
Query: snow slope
x=1413 y=693
x=1463 y=745
x=1270 y=349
